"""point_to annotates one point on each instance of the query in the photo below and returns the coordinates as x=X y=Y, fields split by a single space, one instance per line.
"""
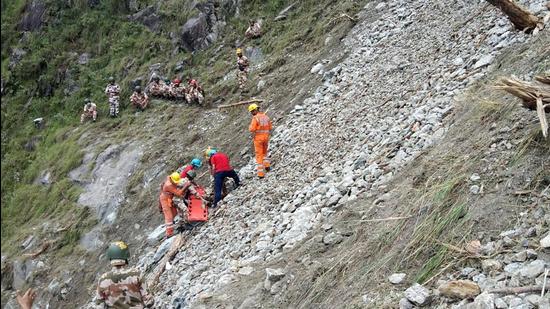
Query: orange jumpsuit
x=260 y=127
x=167 y=192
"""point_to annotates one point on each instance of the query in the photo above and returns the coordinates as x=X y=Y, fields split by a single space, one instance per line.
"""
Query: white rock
x=317 y=69
x=397 y=278
x=483 y=61
x=418 y=295
x=545 y=242
x=245 y=271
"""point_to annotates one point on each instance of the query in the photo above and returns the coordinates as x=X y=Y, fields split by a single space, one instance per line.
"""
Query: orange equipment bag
x=196 y=212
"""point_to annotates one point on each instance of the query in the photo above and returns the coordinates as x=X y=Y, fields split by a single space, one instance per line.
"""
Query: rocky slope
x=385 y=99
x=378 y=110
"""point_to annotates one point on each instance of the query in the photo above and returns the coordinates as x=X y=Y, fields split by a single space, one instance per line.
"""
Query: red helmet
x=176 y=81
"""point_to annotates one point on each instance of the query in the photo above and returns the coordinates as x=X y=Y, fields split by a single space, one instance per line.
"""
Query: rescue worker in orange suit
x=260 y=128
x=169 y=189
x=220 y=169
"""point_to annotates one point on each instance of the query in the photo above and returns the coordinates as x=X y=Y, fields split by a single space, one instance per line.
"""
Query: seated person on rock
x=155 y=88
x=178 y=91
x=139 y=99
x=195 y=92
x=167 y=89
x=254 y=29
x=90 y=111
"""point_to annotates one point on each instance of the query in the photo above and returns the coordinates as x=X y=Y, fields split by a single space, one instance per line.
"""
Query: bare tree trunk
x=519 y=16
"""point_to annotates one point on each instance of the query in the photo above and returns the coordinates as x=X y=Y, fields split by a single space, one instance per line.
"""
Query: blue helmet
x=212 y=152
x=196 y=162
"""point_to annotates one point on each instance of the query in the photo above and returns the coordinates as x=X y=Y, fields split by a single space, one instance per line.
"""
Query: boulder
x=22 y=272
x=491 y=265
x=148 y=17
x=459 y=289
x=193 y=33
x=84 y=58
x=274 y=275
x=483 y=301
x=418 y=295
x=332 y=239
x=533 y=269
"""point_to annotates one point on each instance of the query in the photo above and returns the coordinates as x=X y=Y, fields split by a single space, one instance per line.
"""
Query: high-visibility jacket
x=260 y=125
x=167 y=192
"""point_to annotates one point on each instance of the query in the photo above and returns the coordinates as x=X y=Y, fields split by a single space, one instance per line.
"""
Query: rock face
x=103 y=191
x=204 y=29
x=33 y=17
x=194 y=33
x=459 y=289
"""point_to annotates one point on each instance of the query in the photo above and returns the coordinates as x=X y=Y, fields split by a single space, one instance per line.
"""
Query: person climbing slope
x=242 y=66
x=260 y=128
x=221 y=169
x=90 y=111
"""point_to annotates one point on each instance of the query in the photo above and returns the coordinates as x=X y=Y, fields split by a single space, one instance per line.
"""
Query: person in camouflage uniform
x=242 y=72
x=122 y=287
x=177 y=91
x=90 y=111
x=113 y=92
x=254 y=30
x=194 y=92
x=155 y=88
x=139 y=99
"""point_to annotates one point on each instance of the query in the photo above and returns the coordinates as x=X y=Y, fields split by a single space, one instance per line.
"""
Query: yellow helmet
x=239 y=51
x=175 y=177
x=252 y=107
x=206 y=151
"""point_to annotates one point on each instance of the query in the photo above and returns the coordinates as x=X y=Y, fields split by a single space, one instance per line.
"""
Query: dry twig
x=516 y=290
x=240 y=103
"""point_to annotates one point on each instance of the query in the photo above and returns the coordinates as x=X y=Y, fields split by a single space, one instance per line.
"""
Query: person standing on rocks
x=90 y=111
x=122 y=286
x=113 y=93
x=139 y=99
x=174 y=185
x=221 y=169
x=242 y=72
x=260 y=128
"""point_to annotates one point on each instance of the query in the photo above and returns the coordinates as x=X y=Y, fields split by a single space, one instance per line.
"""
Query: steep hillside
x=391 y=152
x=396 y=131
x=71 y=189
